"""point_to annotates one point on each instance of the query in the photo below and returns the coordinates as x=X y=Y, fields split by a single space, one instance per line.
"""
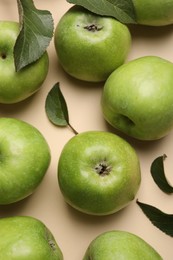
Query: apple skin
x=88 y=54
x=17 y=86
x=137 y=98
x=98 y=173
x=27 y=238
x=24 y=159
x=116 y=245
x=154 y=13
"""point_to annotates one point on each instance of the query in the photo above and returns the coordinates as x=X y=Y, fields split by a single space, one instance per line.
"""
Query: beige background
x=73 y=230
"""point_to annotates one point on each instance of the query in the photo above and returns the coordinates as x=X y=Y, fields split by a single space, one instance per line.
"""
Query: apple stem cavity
x=126 y=120
x=3 y=56
x=103 y=169
x=52 y=244
x=93 y=27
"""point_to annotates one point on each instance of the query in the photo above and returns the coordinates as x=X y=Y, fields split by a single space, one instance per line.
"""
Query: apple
x=98 y=172
x=24 y=159
x=117 y=244
x=24 y=237
x=17 y=86
x=137 y=98
x=154 y=13
x=89 y=46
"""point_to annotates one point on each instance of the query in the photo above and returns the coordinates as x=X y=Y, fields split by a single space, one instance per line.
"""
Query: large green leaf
x=158 y=174
x=56 y=107
x=36 y=32
x=158 y=218
x=122 y=10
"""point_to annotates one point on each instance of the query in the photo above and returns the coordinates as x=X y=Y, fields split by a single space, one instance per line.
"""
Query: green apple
x=116 y=245
x=98 y=172
x=137 y=98
x=24 y=159
x=154 y=13
x=89 y=46
x=17 y=86
x=27 y=238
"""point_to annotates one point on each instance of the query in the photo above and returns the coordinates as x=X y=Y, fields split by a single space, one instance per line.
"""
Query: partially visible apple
x=116 y=245
x=98 y=172
x=17 y=86
x=24 y=159
x=27 y=238
x=154 y=13
x=89 y=46
x=137 y=98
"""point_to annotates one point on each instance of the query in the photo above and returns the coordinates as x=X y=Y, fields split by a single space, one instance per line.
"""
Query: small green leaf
x=158 y=174
x=158 y=218
x=122 y=10
x=35 y=34
x=56 y=107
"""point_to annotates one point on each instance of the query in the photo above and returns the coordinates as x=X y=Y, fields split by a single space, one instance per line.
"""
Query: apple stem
x=74 y=131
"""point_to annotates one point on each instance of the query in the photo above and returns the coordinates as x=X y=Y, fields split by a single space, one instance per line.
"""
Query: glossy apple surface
x=24 y=159
x=27 y=238
x=116 y=245
x=137 y=98
x=154 y=13
x=17 y=86
x=90 y=47
x=98 y=172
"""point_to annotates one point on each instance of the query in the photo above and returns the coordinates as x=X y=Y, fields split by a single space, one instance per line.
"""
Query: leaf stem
x=74 y=131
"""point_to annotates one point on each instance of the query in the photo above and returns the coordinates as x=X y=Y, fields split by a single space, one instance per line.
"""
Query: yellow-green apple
x=24 y=159
x=117 y=244
x=154 y=13
x=17 y=86
x=27 y=238
x=98 y=172
x=89 y=46
x=137 y=98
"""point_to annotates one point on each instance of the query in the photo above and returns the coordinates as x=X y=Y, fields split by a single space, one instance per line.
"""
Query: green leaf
x=122 y=10
x=158 y=174
x=158 y=218
x=36 y=32
x=56 y=107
